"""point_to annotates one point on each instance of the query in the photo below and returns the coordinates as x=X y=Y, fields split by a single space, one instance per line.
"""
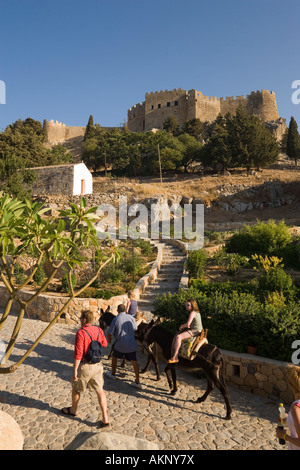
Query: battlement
x=162 y=92
x=137 y=106
x=55 y=123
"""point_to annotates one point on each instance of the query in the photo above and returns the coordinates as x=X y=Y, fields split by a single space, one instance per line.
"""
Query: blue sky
x=68 y=59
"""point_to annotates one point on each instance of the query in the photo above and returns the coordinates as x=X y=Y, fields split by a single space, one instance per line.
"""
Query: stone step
x=156 y=287
x=167 y=278
x=152 y=296
x=170 y=268
x=174 y=265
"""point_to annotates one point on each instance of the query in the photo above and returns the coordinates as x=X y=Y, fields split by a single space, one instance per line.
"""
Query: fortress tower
x=184 y=105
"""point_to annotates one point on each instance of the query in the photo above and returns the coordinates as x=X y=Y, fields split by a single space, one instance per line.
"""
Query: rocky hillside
x=234 y=197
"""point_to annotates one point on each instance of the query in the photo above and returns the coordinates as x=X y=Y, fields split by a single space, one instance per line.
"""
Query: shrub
x=65 y=282
x=223 y=287
x=19 y=273
x=290 y=255
x=196 y=263
x=236 y=319
x=39 y=275
x=276 y=280
x=144 y=245
x=263 y=238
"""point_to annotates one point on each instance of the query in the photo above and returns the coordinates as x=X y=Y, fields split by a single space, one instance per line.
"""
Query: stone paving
x=35 y=393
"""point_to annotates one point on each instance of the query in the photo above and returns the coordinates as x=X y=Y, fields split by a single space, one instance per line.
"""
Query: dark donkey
x=209 y=359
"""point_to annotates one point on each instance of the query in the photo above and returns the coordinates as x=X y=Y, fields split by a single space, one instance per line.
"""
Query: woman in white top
x=293 y=418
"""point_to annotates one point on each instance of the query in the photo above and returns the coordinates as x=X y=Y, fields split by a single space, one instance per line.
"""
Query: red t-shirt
x=82 y=339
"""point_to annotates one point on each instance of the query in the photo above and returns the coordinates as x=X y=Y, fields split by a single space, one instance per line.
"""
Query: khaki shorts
x=90 y=375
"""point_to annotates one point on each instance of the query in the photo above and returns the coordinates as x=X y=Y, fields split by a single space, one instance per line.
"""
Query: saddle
x=140 y=318
x=190 y=346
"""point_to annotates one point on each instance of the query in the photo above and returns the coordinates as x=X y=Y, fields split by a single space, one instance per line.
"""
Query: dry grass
x=193 y=185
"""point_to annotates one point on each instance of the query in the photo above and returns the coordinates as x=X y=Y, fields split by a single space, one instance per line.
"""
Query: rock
x=109 y=441
x=11 y=437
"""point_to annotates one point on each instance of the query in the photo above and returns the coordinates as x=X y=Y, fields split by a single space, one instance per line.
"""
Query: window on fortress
x=159 y=106
x=152 y=107
x=168 y=104
x=176 y=103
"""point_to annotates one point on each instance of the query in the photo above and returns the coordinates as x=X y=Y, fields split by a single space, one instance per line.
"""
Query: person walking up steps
x=123 y=328
x=132 y=305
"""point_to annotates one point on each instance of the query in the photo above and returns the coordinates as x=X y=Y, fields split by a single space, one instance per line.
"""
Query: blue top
x=123 y=328
x=133 y=307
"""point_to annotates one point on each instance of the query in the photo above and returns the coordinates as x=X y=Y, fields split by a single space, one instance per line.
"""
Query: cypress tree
x=89 y=128
x=293 y=141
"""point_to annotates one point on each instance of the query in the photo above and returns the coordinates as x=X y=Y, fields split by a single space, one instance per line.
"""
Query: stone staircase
x=168 y=278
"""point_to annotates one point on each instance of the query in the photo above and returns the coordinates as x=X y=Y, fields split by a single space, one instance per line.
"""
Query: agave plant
x=24 y=227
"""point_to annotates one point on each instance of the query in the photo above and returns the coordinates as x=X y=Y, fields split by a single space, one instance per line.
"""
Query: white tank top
x=291 y=425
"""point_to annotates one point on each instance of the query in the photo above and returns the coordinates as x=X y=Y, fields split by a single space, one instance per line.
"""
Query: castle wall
x=206 y=109
x=59 y=132
x=136 y=118
x=183 y=105
x=163 y=104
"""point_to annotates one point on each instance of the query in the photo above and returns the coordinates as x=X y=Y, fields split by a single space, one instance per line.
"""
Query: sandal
x=67 y=411
x=173 y=361
x=103 y=425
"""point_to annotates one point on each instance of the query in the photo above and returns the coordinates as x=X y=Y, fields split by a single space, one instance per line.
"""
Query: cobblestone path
x=35 y=393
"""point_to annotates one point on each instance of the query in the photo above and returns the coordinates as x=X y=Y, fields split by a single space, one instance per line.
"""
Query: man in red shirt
x=86 y=373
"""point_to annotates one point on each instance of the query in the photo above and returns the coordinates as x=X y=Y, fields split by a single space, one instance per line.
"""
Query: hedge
x=237 y=320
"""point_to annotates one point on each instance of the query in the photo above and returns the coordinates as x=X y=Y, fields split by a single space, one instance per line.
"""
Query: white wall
x=82 y=173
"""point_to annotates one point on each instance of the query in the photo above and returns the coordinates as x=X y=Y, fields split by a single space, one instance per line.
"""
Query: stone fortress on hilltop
x=185 y=105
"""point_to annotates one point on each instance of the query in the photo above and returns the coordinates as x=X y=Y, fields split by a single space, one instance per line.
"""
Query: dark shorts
x=128 y=356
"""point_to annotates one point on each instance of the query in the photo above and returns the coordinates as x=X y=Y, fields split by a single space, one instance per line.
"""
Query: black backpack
x=93 y=355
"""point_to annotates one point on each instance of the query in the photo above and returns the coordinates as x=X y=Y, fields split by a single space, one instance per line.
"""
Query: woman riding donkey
x=190 y=329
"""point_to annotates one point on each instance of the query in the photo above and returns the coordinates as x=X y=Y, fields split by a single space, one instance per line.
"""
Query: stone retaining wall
x=47 y=305
x=258 y=375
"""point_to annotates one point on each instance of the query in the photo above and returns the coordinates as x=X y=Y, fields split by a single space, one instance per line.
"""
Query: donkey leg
x=146 y=366
x=209 y=389
x=151 y=357
x=220 y=383
x=169 y=376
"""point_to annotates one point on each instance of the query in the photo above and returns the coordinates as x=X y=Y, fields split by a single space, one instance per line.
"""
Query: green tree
x=250 y=142
x=293 y=141
x=22 y=147
x=171 y=125
x=193 y=127
x=217 y=152
x=192 y=151
x=24 y=228
x=90 y=129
